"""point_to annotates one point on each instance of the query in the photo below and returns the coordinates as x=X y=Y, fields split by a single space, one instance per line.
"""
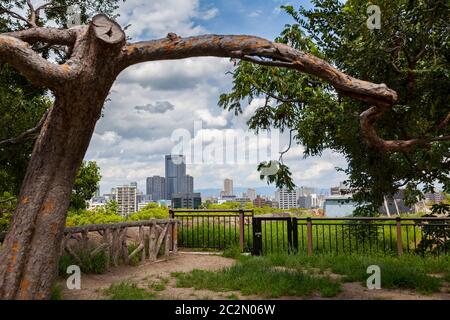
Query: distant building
x=229 y=198
x=341 y=190
x=339 y=206
x=308 y=202
x=286 y=199
x=242 y=201
x=175 y=167
x=97 y=202
x=189 y=184
x=305 y=191
x=251 y=194
x=126 y=200
x=143 y=204
x=434 y=198
x=156 y=187
x=396 y=205
x=228 y=187
x=186 y=200
x=259 y=202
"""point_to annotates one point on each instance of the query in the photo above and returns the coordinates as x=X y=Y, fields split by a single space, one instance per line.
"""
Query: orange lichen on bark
x=14 y=249
x=48 y=207
x=66 y=68
x=24 y=286
x=54 y=228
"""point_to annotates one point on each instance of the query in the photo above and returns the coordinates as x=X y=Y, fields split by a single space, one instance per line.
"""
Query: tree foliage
x=86 y=183
x=410 y=53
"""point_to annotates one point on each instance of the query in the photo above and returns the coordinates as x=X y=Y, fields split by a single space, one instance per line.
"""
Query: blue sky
x=151 y=102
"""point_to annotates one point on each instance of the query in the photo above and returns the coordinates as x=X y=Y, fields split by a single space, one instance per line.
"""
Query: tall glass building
x=175 y=175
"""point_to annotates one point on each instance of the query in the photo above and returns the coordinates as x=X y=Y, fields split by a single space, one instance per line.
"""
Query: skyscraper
x=228 y=187
x=156 y=186
x=175 y=175
x=189 y=184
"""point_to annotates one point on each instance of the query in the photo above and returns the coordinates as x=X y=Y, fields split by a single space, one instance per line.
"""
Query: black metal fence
x=214 y=229
x=351 y=235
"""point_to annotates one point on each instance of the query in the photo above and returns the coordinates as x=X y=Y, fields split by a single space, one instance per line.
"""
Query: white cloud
x=130 y=145
x=159 y=17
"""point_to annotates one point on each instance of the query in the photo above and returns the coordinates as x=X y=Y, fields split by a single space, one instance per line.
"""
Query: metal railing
x=214 y=229
x=351 y=235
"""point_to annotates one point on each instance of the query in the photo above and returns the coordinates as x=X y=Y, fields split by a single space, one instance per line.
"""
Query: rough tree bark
x=29 y=255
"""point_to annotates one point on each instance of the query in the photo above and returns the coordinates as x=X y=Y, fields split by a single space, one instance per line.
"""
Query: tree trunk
x=30 y=253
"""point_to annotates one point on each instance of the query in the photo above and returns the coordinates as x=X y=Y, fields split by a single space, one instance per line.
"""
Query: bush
x=89 y=264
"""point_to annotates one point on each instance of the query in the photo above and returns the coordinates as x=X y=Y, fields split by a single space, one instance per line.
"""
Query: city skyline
x=150 y=101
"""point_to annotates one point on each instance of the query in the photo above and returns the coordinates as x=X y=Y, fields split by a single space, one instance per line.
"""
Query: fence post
x=399 y=236
x=289 y=234
x=309 y=233
x=295 y=234
x=241 y=229
x=172 y=228
x=257 y=237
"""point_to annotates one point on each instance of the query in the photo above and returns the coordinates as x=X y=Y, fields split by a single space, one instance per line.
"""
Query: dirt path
x=148 y=274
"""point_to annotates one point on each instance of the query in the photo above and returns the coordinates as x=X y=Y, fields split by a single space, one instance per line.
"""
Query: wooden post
x=167 y=241
x=106 y=238
x=84 y=240
x=153 y=238
x=399 y=237
x=115 y=247
x=142 y=242
x=309 y=239
x=241 y=230
x=123 y=245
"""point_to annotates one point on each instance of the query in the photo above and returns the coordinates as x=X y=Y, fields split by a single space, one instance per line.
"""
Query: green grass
x=406 y=272
x=56 y=292
x=257 y=276
x=160 y=285
x=128 y=291
x=299 y=275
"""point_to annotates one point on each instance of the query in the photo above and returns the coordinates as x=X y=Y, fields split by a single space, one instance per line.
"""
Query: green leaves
x=85 y=185
x=410 y=53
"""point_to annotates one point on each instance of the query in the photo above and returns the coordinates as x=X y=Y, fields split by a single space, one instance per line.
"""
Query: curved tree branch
x=37 y=69
x=46 y=35
x=27 y=135
x=260 y=51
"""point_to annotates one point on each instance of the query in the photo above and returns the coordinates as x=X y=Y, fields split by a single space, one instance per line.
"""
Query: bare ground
x=147 y=274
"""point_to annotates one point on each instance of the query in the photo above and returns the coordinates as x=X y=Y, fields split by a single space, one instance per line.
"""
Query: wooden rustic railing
x=154 y=236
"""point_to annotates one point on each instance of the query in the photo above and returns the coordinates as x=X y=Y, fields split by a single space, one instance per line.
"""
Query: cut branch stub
x=108 y=30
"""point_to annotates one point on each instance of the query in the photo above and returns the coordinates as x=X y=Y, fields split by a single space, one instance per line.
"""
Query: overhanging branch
x=260 y=51
x=37 y=69
x=27 y=135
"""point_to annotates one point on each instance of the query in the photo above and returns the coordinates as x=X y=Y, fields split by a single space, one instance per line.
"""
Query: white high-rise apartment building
x=126 y=200
x=287 y=199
